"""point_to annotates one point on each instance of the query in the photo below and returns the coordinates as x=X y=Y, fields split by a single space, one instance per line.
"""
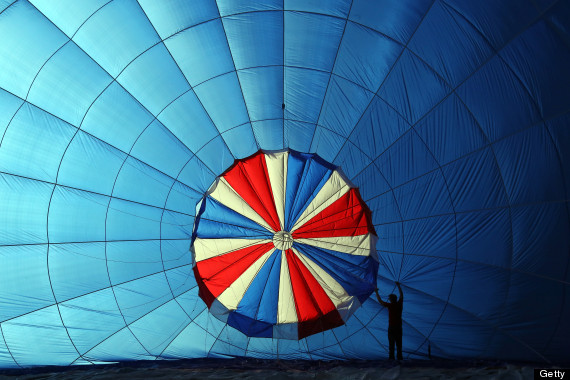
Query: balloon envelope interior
x=450 y=117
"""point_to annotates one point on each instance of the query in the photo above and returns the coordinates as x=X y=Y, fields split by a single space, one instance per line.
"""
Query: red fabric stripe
x=250 y=180
x=347 y=216
x=326 y=322
x=311 y=301
x=216 y=274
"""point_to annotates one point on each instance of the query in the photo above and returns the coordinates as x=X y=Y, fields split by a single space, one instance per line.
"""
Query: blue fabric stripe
x=260 y=299
x=306 y=175
x=356 y=274
x=219 y=221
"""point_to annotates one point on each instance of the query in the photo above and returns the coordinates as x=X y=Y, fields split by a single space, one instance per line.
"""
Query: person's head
x=393 y=298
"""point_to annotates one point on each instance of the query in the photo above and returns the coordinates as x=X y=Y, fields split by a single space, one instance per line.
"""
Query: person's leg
x=391 y=342
x=398 y=339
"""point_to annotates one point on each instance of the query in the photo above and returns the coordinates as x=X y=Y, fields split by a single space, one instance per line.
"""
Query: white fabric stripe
x=286 y=311
x=277 y=169
x=361 y=245
x=335 y=187
x=226 y=195
x=343 y=302
x=231 y=297
x=207 y=248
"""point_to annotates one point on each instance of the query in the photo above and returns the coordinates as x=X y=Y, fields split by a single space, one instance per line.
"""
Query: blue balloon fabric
x=451 y=117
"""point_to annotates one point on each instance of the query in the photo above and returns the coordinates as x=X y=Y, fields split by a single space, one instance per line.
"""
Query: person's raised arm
x=380 y=299
x=400 y=290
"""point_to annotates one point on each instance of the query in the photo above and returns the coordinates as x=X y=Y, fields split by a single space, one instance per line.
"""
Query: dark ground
x=273 y=370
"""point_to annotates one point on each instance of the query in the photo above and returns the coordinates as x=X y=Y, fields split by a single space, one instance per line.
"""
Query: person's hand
x=376 y=290
x=398 y=283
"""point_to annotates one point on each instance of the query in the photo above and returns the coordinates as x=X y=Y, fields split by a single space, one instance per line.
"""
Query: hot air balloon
x=234 y=179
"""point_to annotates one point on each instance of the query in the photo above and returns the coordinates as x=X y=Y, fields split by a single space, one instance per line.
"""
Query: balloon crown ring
x=284 y=246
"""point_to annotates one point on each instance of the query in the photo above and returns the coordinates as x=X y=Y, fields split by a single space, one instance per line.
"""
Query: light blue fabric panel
x=263 y=92
x=177 y=15
x=68 y=84
x=117 y=118
x=321 y=35
x=122 y=344
x=68 y=15
x=203 y=180
x=77 y=169
x=154 y=89
x=9 y=105
x=270 y=134
x=181 y=280
x=338 y=8
x=76 y=269
x=132 y=221
x=139 y=183
x=21 y=262
x=98 y=307
x=41 y=138
x=302 y=104
x=6 y=359
x=139 y=297
x=76 y=216
x=298 y=135
x=116 y=35
x=326 y=143
x=192 y=342
x=150 y=328
x=130 y=260
x=23 y=210
x=245 y=32
x=228 y=7
x=240 y=141
x=174 y=254
x=214 y=157
x=209 y=38
x=175 y=225
x=181 y=196
x=160 y=148
x=41 y=41
x=187 y=119
x=223 y=92
x=33 y=336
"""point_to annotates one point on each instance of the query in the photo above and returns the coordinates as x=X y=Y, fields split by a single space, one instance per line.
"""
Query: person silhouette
x=394 y=307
